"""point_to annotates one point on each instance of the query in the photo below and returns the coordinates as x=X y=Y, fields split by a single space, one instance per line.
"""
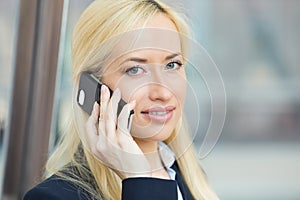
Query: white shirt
x=168 y=158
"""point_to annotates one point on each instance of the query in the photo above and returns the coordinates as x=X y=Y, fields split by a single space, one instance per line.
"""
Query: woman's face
x=154 y=76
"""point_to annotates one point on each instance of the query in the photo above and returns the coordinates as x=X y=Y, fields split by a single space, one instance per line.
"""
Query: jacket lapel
x=182 y=185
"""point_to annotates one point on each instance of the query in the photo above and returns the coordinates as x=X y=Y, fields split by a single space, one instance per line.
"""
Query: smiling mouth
x=159 y=114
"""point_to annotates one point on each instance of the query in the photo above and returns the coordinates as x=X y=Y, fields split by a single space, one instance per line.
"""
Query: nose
x=159 y=92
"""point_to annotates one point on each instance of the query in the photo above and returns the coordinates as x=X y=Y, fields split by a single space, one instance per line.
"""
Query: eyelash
x=127 y=71
x=178 y=62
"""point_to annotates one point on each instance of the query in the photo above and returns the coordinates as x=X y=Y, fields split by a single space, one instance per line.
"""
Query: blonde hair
x=102 y=20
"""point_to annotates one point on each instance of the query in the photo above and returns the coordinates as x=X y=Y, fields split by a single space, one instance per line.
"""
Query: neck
x=150 y=149
x=147 y=146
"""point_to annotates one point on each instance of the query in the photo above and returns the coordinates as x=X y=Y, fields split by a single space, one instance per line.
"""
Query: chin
x=156 y=133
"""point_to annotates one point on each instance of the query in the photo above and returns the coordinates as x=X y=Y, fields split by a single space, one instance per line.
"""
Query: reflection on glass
x=255 y=44
x=8 y=14
x=64 y=93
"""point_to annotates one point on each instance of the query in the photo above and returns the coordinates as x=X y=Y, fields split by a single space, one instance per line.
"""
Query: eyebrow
x=144 y=60
x=173 y=56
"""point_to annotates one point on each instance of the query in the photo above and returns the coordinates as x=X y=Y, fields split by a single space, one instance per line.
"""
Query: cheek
x=181 y=92
x=179 y=89
x=127 y=88
x=110 y=81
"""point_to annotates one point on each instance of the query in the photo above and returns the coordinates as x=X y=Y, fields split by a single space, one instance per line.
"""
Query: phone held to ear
x=89 y=92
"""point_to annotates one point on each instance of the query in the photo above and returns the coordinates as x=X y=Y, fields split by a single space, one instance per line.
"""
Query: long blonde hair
x=102 y=20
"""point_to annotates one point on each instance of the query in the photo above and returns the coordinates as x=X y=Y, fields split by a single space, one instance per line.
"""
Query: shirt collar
x=166 y=154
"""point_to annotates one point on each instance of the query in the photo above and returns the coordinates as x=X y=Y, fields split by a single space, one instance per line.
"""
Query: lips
x=159 y=114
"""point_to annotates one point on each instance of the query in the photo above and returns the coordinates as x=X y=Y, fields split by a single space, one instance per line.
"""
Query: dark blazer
x=56 y=188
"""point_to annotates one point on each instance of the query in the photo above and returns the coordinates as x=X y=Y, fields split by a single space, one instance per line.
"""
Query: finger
x=123 y=118
x=91 y=126
x=112 y=115
x=104 y=98
x=93 y=119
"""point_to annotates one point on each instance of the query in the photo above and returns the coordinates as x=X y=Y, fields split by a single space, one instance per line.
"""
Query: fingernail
x=95 y=105
x=104 y=89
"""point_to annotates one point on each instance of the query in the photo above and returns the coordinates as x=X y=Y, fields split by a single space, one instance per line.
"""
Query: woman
x=136 y=48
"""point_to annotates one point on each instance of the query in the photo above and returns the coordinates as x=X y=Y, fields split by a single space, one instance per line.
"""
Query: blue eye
x=173 y=65
x=134 y=71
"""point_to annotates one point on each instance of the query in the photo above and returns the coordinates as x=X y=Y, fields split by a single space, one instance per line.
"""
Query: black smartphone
x=89 y=92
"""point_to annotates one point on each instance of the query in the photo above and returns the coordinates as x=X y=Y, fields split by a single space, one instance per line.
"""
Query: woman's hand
x=110 y=140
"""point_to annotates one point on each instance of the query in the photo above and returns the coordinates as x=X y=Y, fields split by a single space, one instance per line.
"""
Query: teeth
x=158 y=113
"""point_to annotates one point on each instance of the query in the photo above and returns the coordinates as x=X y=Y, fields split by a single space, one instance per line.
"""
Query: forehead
x=158 y=35
x=149 y=55
x=150 y=40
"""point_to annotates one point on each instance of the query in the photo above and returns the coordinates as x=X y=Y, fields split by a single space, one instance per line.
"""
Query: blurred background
x=256 y=46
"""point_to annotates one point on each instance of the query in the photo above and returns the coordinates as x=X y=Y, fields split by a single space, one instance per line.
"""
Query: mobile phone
x=89 y=92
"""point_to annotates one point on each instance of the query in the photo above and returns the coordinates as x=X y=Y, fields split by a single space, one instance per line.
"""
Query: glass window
x=8 y=24
x=72 y=11
x=255 y=45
